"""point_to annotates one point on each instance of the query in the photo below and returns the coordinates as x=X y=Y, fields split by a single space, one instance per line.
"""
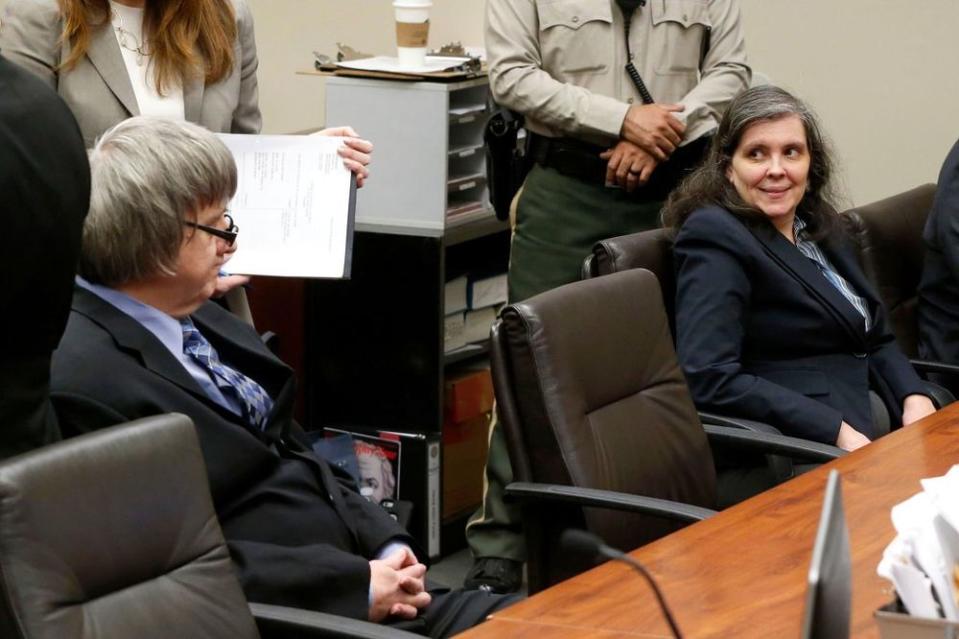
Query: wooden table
x=743 y=572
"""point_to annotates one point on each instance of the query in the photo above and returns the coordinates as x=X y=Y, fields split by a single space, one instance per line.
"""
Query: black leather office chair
x=113 y=535
x=888 y=237
x=597 y=417
x=874 y=228
x=653 y=250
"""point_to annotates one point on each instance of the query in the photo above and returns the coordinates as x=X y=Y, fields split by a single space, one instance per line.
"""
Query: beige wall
x=881 y=73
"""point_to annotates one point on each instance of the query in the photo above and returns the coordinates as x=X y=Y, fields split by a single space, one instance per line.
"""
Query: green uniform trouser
x=558 y=220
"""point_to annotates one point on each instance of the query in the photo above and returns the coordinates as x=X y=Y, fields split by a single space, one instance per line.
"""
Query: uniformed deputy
x=618 y=110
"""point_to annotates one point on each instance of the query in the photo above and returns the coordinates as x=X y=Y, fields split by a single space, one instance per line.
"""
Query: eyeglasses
x=228 y=234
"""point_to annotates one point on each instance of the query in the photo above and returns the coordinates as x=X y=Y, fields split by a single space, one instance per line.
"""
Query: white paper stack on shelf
x=471 y=310
x=922 y=561
x=488 y=291
x=455 y=305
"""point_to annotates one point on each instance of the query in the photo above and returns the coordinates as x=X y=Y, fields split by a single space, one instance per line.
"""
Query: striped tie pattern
x=812 y=251
x=254 y=402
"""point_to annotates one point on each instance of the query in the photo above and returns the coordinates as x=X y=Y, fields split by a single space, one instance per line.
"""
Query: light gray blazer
x=98 y=88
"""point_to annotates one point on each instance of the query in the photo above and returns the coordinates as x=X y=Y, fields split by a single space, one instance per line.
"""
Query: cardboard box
x=465 y=445
x=467 y=396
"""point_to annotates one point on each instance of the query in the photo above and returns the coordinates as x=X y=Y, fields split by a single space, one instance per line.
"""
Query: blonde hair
x=188 y=38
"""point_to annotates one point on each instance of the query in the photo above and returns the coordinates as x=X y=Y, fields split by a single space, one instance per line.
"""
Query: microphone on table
x=589 y=545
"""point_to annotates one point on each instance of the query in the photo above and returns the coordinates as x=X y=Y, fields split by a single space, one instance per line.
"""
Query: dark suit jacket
x=763 y=335
x=299 y=536
x=939 y=288
x=44 y=196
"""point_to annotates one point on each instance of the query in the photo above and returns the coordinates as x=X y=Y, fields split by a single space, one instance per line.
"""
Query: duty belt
x=581 y=160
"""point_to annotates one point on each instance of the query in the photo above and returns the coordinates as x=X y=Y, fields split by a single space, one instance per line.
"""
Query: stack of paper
x=295 y=205
x=922 y=561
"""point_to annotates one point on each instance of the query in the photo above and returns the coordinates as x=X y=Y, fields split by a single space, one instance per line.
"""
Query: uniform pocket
x=575 y=36
x=680 y=28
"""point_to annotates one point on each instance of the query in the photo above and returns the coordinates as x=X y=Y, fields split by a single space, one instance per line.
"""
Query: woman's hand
x=915 y=407
x=849 y=438
x=355 y=151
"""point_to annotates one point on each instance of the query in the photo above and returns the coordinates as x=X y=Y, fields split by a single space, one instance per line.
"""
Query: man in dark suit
x=44 y=195
x=939 y=288
x=143 y=338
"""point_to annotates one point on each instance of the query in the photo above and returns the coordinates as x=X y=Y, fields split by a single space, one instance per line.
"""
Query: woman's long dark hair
x=709 y=185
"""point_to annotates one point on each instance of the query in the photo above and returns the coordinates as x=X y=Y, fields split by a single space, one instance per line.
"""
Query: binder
x=419 y=480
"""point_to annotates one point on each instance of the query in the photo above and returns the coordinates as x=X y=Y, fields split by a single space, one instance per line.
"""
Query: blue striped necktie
x=254 y=402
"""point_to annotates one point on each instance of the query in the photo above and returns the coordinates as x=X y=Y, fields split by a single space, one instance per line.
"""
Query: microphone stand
x=589 y=544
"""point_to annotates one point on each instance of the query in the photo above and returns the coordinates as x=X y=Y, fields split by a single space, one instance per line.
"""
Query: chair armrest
x=940 y=396
x=738 y=422
x=282 y=622
x=595 y=497
x=773 y=443
x=929 y=366
x=588 y=270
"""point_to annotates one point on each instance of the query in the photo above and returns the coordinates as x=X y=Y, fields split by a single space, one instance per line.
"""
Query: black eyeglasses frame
x=228 y=234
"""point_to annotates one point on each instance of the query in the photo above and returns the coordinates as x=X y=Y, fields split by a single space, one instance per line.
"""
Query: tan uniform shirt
x=561 y=63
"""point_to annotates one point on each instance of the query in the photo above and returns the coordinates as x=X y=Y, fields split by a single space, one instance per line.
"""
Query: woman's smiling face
x=770 y=168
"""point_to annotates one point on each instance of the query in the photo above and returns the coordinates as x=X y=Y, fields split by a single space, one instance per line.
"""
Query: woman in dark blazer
x=775 y=321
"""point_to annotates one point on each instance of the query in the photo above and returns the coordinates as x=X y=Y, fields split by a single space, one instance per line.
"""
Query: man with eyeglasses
x=144 y=338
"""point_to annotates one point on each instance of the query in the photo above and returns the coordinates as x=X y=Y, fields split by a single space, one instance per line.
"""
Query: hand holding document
x=922 y=561
x=294 y=205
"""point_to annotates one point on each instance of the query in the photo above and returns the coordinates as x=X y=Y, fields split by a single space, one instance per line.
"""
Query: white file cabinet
x=428 y=172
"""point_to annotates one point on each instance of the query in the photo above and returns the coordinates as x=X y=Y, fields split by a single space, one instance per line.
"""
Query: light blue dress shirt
x=166 y=329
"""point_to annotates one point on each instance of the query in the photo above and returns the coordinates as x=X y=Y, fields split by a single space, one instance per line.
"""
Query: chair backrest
x=651 y=250
x=888 y=237
x=113 y=535
x=829 y=592
x=590 y=394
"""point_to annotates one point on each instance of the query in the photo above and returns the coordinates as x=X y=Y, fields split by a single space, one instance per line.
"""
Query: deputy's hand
x=654 y=128
x=398 y=590
x=355 y=151
x=849 y=438
x=915 y=407
x=628 y=165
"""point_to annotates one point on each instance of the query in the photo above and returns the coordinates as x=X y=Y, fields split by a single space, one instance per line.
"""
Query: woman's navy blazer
x=761 y=333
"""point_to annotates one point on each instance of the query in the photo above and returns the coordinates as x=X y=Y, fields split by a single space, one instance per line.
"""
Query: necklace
x=127 y=40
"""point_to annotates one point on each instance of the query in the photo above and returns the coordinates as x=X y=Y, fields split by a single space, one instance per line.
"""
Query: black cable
x=628 y=9
x=588 y=544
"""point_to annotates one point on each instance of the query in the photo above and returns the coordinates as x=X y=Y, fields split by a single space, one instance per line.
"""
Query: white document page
x=293 y=205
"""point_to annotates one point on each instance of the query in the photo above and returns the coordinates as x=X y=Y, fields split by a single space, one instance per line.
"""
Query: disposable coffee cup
x=412 y=31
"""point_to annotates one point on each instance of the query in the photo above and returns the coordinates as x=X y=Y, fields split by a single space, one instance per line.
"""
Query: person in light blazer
x=775 y=320
x=192 y=60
